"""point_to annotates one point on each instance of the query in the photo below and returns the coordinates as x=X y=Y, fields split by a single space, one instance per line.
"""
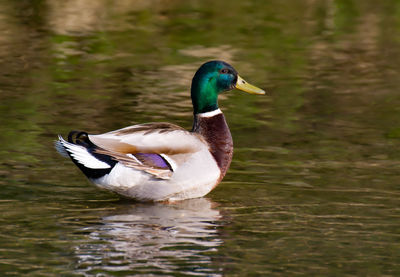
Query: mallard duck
x=162 y=161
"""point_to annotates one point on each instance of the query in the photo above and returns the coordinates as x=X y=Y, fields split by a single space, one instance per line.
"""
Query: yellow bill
x=243 y=85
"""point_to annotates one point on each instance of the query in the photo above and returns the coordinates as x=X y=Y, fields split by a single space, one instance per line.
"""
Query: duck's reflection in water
x=154 y=239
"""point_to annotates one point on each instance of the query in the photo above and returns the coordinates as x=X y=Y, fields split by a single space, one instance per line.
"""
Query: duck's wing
x=156 y=148
x=156 y=138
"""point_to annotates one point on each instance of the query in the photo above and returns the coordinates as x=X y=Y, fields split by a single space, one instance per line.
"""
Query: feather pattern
x=159 y=138
x=136 y=161
x=80 y=154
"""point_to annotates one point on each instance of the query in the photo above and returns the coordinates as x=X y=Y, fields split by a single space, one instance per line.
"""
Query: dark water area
x=314 y=186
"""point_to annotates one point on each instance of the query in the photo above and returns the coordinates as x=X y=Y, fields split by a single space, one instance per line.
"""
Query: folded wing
x=158 y=138
x=156 y=148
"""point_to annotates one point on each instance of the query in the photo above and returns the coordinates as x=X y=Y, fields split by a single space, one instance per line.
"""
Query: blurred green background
x=313 y=189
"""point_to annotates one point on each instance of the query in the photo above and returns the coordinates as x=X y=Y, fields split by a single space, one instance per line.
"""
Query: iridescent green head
x=210 y=80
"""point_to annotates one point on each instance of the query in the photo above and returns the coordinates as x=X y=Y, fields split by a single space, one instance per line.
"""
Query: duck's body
x=161 y=161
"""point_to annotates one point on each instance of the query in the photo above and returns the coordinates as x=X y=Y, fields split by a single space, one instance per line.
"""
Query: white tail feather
x=60 y=148
x=79 y=154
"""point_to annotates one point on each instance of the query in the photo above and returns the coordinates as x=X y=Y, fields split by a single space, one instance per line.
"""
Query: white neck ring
x=210 y=114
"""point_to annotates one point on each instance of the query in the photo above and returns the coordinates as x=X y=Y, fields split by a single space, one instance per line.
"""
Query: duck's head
x=211 y=79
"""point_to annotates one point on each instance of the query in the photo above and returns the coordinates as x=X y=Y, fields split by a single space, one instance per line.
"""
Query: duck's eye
x=224 y=71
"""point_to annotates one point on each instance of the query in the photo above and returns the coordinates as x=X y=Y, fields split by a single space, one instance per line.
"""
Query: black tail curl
x=80 y=138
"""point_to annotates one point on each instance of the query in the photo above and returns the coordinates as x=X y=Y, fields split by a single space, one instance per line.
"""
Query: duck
x=161 y=161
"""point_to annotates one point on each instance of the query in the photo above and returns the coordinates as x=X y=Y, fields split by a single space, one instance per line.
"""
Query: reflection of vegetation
x=120 y=66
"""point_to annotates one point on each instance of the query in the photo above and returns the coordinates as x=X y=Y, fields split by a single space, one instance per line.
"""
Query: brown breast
x=216 y=132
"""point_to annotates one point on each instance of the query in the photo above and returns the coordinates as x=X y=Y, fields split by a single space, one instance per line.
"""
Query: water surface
x=313 y=188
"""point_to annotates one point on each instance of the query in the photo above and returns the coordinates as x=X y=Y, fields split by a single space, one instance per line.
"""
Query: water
x=314 y=185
